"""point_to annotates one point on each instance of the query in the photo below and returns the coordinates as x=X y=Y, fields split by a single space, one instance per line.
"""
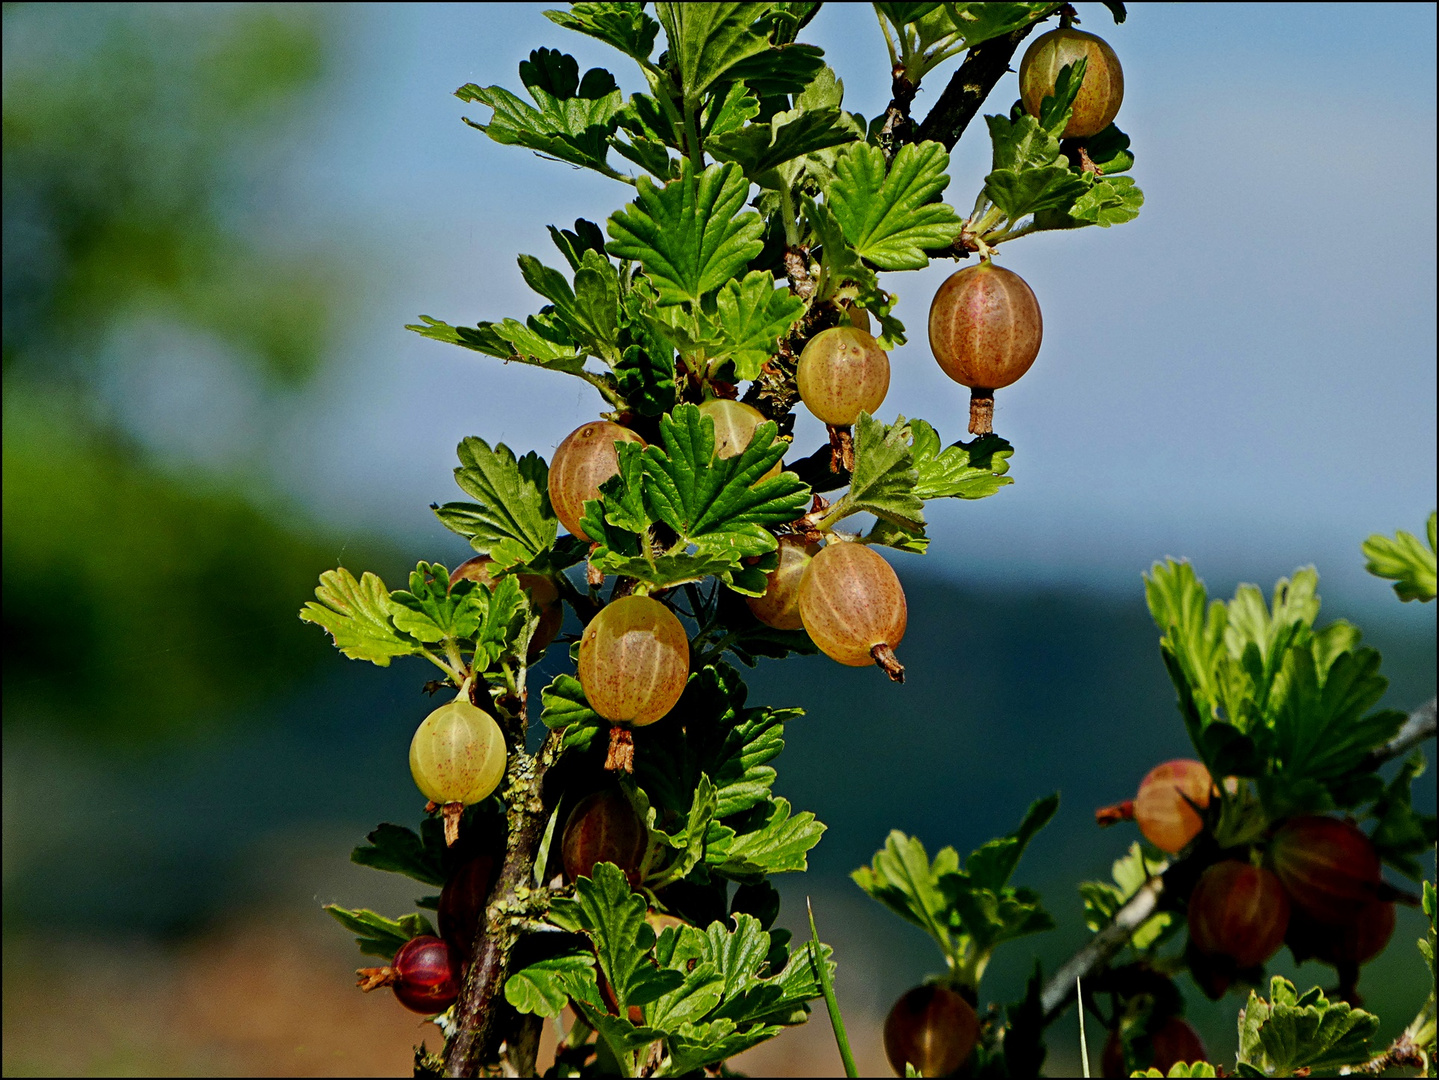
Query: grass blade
x=826 y=986
x=1083 y=1045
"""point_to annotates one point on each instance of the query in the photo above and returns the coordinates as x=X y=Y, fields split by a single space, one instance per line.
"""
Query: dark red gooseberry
x=1239 y=911
x=1173 y=1041
x=427 y=975
x=1328 y=867
x=462 y=903
x=1349 y=944
x=932 y=1028
x=604 y=828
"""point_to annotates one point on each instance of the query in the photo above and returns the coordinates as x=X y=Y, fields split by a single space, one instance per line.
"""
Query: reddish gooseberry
x=1097 y=103
x=985 y=330
x=1328 y=866
x=735 y=423
x=1356 y=941
x=634 y=660
x=585 y=460
x=853 y=607
x=462 y=903
x=457 y=754
x=1174 y=1041
x=842 y=372
x=779 y=606
x=544 y=596
x=1164 y=816
x=1239 y=911
x=931 y=1028
x=426 y=975
x=603 y=828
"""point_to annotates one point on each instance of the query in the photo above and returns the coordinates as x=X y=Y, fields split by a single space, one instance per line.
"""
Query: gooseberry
x=603 y=827
x=1097 y=103
x=544 y=595
x=735 y=423
x=634 y=660
x=779 y=606
x=984 y=329
x=462 y=903
x=1328 y=866
x=426 y=975
x=1351 y=943
x=1172 y=1042
x=931 y=1028
x=1239 y=911
x=582 y=462
x=852 y=606
x=1164 y=816
x=457 y=754
x=842 y=372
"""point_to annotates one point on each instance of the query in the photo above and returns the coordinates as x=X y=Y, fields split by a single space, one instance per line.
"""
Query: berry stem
x=373 y=978
x=1113 y=815
x=981 y=411
x=885 y=658
x=621 y=756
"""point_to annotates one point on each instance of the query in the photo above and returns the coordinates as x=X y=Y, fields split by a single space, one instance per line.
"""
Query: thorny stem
x=477 y=1034
x=1059 y=990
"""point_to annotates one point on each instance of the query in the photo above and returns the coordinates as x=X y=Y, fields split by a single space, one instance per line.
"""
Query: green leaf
x=972 y=470
x=761 y=148
x=589 y=311
x=572 y=119
x=707 y=40
x=646 y=368
x=1404 y=561
x=565 y=704
x=980 y=22
x=1402 y=833
x=401 y=851
x=1109 y=151
x=686 y=234
x=898 y=537
x=1053 y=187
x=545 y=987
x=779 y=844
x=840 y=264
x=1019 y=143
x=682 y=949
x=890 y=218
x=431 y=612
x=902 y=878
x=753 y=314
x=375 y=934
x=991 y=866
x=573 y=245
x=509 y=340
x=511 y=519
x=667 y=571
x=614 y=917
x=623 y=25
x=1291 y=1031
x=357 y=616
x=1111 y=201
x=1102 y=900
x=719 y=504
x=884 y=479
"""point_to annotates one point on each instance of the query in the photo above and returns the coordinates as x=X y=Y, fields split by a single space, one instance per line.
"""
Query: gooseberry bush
x=610 y=870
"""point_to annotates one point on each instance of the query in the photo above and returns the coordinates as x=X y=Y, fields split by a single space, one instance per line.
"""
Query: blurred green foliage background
x=183 y=757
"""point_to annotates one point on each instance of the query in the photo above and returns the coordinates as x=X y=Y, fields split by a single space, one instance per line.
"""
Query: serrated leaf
x=902 y=878
x=401 y=851
x=565 y=704
x=1294 y=1031
x=884 y=479
x=614 y=918
x=890 y=218
x=1401 y=832
x=720 y=505
x=1109 y=151
x=972 y=470
x=590 y=309
x=761 y=148
x=1405 y=561
x=753 y=313
x=689 y=235
x=1110 y=201
x=572 y=118
x=1018 y=143
x=586 y=236
x=646 y=368
x=667 y=571
x=779 y=844
x=706 y=40
x=1032 y=191
x=840 y=264
x=977 y=23
x=511 y=519
x=357 y=616
x=507 y=340
x=545 y=987
x=898 y=537
x=991 y=866
x=377 y=935
x=430 y=612
x=623 y=25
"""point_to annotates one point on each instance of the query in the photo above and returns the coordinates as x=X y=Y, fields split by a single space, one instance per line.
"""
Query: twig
x=1059 y=990
x=985 y=65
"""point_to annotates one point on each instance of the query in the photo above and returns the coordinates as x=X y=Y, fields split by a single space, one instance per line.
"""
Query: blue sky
x=1245 y=375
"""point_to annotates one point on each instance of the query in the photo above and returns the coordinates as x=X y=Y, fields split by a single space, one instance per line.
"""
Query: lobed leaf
x=511 y=519
x=357 y=616
x=1293 y=1031
x=891 y=217
x=1405 y=561
x=377 y=935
